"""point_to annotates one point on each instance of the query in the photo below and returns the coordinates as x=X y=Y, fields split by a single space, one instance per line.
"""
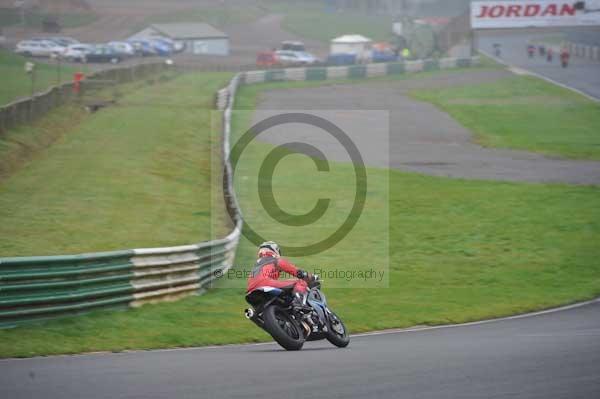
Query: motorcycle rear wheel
x=283 y=328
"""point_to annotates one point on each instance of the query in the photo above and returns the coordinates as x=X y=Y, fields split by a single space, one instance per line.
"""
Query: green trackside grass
x=16 y=84
x=459 y=251
x=524 y=113
x=136 y=174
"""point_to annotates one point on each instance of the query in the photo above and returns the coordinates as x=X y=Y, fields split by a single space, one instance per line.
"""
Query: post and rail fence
x=30 y=109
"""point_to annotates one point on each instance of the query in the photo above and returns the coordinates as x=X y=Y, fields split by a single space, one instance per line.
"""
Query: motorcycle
x=271 y=309
x=564 y=60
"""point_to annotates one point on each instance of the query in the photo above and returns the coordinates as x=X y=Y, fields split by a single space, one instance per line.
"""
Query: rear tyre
x=337 y=333
x=283 y=328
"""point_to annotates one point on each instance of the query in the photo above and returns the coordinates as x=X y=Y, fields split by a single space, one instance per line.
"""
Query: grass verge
x=525 y=113
x=460 y=251
x=132 y=175
x=17 y=84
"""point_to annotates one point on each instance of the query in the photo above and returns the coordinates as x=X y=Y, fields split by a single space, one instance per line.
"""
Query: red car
x=266 y=59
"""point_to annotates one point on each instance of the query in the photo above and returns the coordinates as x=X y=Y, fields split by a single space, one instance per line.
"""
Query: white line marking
x=359 y=335
x=475 y=323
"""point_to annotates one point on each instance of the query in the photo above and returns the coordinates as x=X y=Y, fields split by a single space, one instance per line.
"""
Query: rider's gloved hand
x=302 y=275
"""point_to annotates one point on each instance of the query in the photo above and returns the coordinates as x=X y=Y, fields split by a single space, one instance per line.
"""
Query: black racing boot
x=299 y=303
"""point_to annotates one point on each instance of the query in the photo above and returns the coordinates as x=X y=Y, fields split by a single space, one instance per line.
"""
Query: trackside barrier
x=577 y=50
x=46 y=287
x=585 y=51
x=354 y=71
x=32 y=108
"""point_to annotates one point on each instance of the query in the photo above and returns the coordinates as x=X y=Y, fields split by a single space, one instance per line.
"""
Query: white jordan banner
x=526 y=14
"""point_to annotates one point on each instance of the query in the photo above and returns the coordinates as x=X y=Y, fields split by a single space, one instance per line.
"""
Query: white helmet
x=269 y=246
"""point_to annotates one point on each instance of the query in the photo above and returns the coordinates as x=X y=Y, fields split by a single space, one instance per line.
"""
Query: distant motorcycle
x=542 y=50
x=272 y=311
x=564 y=58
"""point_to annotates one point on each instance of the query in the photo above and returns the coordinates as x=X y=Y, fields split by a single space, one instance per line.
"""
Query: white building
x=197 y=38
x=352 y=44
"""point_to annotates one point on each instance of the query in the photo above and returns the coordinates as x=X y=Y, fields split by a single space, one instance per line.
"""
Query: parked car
x=341 y=59
x=295 y=58
x=383 y=56
x=39 y=48
x=78 y=52
x=123 y=48
x=161 y=47
x=104 y=53
x=64 y=40
x=289 y=45
x=266 y=59
x=143 y=47
x=287 y=58
x=176 y=47
x=384 y=52
x=307 y=58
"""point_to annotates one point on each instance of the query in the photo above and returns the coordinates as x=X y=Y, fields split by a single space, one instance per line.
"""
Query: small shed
x=351 y=44
x=197 y=38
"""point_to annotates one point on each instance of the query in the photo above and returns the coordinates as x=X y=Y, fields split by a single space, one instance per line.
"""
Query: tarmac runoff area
x=391 y=130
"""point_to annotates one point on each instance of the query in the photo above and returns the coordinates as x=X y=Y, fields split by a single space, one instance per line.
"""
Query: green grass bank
x=16 y=84
x=459 y=251
x=136 y=174
x=524 y=113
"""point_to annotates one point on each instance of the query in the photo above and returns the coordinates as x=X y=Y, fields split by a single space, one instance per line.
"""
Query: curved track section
x=422 y=138
x=582 y=74
x=551 y=355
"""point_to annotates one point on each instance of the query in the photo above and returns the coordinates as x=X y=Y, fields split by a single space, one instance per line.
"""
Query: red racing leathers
x=266 y=273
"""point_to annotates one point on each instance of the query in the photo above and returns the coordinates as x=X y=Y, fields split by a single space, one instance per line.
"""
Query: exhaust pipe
x=249 y=313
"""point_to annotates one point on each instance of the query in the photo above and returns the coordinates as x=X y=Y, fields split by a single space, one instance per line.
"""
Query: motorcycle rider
x=268 y=268
x=564 y=56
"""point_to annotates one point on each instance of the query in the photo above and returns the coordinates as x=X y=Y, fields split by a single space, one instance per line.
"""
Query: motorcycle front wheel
x=284 y=329
x=337 y=333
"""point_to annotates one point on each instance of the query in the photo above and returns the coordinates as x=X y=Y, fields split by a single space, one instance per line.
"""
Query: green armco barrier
x=42 y=288
x=275 y=75
x=463 y=62
x=316 y=73
x=357 y=71
x=394 y=68
x=431 y=65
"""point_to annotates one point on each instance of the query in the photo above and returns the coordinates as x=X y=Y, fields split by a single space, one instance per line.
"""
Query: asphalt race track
x=582 y=74
x=552 y=355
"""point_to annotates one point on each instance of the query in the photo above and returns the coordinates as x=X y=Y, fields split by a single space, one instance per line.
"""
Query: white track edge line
x=537 y=75
x=358 y=335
